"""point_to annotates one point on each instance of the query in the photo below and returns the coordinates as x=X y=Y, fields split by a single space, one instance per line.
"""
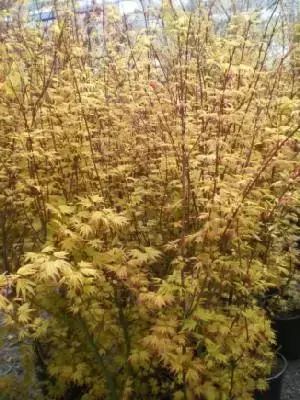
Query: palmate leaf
x=52 y=269
x=4 y=303
x=24 y=287
x=139 y=256
x=189 y=325
x=152 y=253
x=24 y=312
x=139 y=358
x=113 y=219
x=60 y=254
x=86 y=271
x=148 y=255
x=74 y=280
x=69 y=244
x=27 y=270
x=85 y=230
x=157 y=300
x=48 y=249
x=192 y=376
x=66 y=209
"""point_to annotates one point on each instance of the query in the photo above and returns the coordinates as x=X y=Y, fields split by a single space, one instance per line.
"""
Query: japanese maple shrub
x=148 y=170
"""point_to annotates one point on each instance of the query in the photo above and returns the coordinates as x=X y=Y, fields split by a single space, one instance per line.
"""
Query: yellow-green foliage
x=148 y=177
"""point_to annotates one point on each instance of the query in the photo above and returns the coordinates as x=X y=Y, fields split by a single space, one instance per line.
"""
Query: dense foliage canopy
x=148 y=182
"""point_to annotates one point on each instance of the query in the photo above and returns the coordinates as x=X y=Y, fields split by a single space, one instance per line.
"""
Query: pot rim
x=287 y=318
x=283 y=370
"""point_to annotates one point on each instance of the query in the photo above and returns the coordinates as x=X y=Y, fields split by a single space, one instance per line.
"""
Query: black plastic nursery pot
x=275 y=382
x=287 y=328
